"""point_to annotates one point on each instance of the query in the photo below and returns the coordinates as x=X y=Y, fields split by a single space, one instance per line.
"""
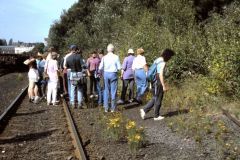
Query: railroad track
x=229 y=116
x=32 y=131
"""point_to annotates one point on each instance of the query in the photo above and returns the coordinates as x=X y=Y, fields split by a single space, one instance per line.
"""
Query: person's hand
x=89 y=74
x=165 y=88
x=121 y=77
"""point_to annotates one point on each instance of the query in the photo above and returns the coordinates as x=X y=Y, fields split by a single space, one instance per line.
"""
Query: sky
x=29 y=20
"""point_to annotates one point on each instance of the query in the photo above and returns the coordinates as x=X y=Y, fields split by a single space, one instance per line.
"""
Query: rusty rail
x=11 y=108
x=233 y=119
x=79 y=152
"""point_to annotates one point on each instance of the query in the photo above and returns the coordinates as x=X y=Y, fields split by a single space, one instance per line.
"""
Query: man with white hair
x=110 y=65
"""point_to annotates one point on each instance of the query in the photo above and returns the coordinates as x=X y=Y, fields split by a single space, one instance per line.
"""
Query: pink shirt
x=93 y=63
x=52 y=68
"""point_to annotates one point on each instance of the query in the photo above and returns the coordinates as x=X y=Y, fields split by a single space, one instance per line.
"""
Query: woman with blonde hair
x=140 y=69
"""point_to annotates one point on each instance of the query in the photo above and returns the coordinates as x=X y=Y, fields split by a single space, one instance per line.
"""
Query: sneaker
x=55 y=104
x=31 y=100
x=48 y=103
x=142 y=113
x=36 y=100
x=91 y=96
x=158 y=118
x=130 y=101
x=120 y=101
x=112 y=111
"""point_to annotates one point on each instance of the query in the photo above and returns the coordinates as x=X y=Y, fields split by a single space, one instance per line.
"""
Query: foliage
x=135 y=136
x=203 y=118
x=117 y=127
x=204 y=35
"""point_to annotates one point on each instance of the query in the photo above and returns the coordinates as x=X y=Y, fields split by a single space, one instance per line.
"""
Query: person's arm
x=161 y=77
x=88 y=67
x=145 y=67
x=124 y=67
x=118 y=64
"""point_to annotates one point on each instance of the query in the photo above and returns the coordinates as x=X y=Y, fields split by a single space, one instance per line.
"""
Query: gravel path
x=36 y=132
x=168 y=145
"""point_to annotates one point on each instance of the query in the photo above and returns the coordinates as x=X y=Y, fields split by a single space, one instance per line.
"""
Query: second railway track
x=38 y=132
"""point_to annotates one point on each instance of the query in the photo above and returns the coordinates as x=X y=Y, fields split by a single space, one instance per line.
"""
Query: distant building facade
x=7 y=49
x=14 y=49
x=21 y=49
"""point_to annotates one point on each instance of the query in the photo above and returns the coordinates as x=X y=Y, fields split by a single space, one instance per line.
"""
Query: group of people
x=102 y=71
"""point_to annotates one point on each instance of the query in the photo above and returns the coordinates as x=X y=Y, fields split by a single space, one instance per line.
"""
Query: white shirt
x=110 y=63
x=139 y=62
x=33 y=75
x=65 y=59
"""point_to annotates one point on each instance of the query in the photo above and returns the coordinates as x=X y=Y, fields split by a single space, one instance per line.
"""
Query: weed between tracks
x=119 y=128
x=196 y=113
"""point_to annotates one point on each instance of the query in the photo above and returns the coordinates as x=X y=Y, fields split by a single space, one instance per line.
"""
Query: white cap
x=130 y=51
x=110 y=48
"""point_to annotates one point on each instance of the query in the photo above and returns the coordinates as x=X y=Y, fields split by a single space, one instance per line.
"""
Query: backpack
x=152 y=72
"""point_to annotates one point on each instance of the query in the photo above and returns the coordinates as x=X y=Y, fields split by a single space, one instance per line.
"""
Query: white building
x=21 y=49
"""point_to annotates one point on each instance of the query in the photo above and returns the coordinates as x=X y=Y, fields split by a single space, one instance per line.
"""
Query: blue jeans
x=69 y=83
x=79 y=90
x=141 y=82
x=110 y=85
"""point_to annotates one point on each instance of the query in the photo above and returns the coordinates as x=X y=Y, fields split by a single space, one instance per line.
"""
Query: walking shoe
x=48 y=103
x=142 y=113
x=158 y=118
x=120 y=101
x=31 y=100
x=36 y=100
x=91 y=96
x=130 y=100
x=55 y=104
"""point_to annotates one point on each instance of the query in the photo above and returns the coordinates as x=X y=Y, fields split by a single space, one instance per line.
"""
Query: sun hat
x=110 y=48
x=130 y=51
x=140 y=51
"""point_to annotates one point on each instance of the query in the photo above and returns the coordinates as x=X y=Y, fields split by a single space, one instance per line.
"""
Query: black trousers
x=93 y=83
x=125 y=84
x=156 y=101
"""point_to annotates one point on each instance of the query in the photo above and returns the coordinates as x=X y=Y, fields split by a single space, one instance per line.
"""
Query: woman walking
x=140 y=70
x=159 y=86
x=127 y=77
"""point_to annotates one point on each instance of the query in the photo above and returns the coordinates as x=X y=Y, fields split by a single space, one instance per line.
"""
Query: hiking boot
x=142 y=113
x=158 y=118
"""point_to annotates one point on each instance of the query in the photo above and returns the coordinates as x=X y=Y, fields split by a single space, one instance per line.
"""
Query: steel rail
x=233 y=119
x=12 y=107
x=79 y=152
